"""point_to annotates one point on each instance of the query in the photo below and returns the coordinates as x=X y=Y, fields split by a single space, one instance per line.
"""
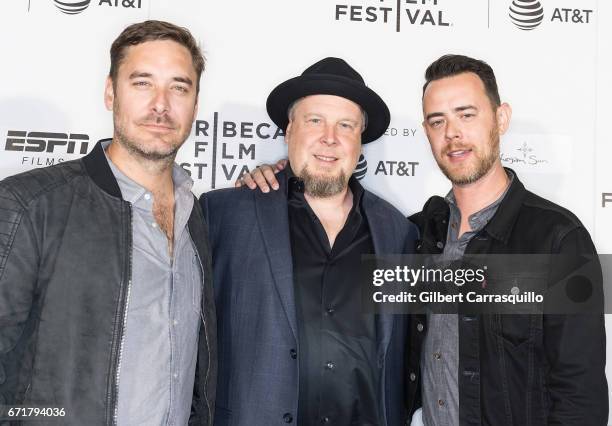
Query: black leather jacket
x=521 y=370
x=65 y=274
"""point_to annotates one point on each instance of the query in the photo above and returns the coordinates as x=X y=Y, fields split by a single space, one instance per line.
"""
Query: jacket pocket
x=510 y=322
x=516 y=331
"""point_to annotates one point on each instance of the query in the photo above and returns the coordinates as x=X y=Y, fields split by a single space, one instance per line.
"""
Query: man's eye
x=141 y=83
x=468 y=115
x=314 y=120
x=348 y=126
x=181 y=89
x=436 y=123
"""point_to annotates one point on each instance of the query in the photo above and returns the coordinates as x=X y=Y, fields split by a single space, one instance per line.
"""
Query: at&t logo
x=361 y=169
x=526 y=14
x=72 y=7
x=529 y=14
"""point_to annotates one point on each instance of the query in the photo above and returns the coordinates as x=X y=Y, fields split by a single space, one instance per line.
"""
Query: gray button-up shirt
x=159 y=348
x=440 y=353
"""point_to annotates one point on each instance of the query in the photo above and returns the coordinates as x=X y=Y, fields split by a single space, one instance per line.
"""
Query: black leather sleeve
x=19 y=260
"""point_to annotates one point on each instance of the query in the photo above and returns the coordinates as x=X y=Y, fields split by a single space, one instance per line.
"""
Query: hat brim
x=291 y=90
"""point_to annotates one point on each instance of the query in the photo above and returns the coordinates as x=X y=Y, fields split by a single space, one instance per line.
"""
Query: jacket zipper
x=124 y=320
x=205 y=330
x=127 y=303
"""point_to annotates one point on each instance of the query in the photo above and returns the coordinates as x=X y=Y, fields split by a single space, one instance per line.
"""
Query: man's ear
x=503 y=115
x=288 y=132
x=109 y=94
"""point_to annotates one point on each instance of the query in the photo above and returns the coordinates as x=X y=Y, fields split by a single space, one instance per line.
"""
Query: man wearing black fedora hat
x=495 y=368
x=294 y=343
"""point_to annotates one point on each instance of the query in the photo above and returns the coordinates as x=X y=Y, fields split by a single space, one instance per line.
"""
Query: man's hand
x=262 y=176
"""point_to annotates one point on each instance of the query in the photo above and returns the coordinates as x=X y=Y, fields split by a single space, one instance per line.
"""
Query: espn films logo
x=45 y=143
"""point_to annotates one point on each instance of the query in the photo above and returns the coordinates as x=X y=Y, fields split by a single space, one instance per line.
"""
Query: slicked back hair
x=150 y=31
x=451 y=65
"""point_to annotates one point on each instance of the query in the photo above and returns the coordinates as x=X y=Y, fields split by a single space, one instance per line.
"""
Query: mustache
x=159 y=120
x=456 y=147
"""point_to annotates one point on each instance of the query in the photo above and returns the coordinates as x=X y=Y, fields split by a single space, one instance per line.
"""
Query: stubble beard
x=323 y=186
x=484 y=164
x=138 y=148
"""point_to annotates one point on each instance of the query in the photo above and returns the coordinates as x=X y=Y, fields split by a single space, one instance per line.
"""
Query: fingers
x=247 y=179
x=280 y=165
x=262 y=177
x=268 y=174
x=257 y=174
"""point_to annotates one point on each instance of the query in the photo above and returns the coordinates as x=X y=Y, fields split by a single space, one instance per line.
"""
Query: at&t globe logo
x=361 y=168
x=71 y=7
x=526 y=14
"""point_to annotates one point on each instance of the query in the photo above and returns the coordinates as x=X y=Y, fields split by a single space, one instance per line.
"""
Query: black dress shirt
x=338 y=374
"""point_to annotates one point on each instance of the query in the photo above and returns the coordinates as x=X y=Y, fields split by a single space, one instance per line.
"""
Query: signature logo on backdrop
x=526 y=14
x=71 y=7
x=527 y=156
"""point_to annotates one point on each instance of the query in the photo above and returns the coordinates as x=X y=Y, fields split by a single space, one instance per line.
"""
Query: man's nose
x=330 y=135
x=160 y=102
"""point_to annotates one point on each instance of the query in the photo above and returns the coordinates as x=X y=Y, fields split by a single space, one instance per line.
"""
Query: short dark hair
x=451 y=65
x=155 y=30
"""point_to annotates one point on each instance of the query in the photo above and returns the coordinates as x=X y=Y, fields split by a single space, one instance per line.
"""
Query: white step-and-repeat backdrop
x=555 y=73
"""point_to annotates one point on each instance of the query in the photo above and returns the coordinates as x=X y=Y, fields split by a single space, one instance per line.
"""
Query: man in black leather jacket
x=82 y=242
x=497 y=369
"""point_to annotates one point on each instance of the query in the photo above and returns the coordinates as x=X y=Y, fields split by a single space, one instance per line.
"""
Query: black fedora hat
x=330 y=76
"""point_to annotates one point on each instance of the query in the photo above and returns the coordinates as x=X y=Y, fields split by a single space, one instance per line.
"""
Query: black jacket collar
x=502 y=223
x=100 y=172
x=433 y=219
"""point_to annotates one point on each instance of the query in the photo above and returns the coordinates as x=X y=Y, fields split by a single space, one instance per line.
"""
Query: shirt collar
x=479 y=219
x=132 y=191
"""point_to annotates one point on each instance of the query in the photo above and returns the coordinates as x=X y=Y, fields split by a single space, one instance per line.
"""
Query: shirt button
x=437 y=355
x=147 y=196
x=293 y=353
x=154 y=225
x=287 y=418
x=324 y=419
x=330 y=311
x=412 y=377
x=330 y=365
x=175 y=375
x=175 y=322
x=420 y=327
x=441 y=403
